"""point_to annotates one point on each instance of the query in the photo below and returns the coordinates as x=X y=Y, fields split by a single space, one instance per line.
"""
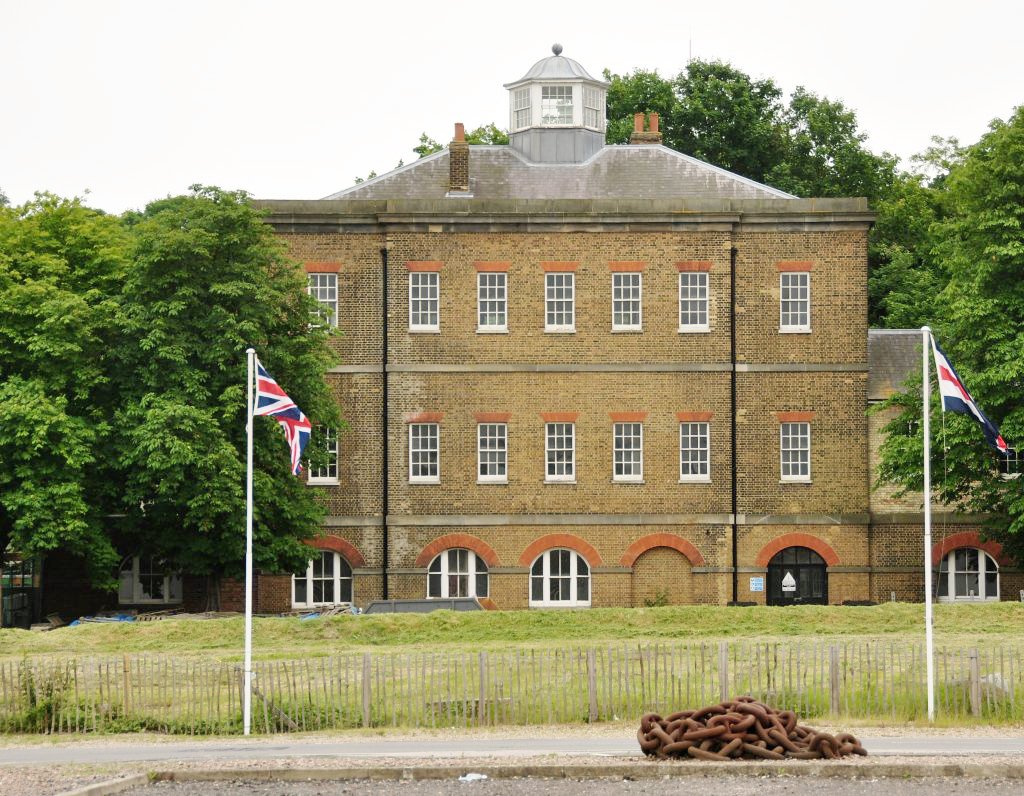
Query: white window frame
x=337 y=580
x=440 y=568
x=702 y=283
x=622 y=281
x=951 y=573
x=324 y=475
x=619 y=434
x=567 y=280
x=171 y=583
x=593 y=108
x=436 y=437
x=544 y=576
x=522 y=116
x=500 y=299
x=553 y=104
x=689 y=430
x=785 y=323
x=552 y=430
x=501 y=436
x=323 y=294
x=419 y=306
x=785 y=445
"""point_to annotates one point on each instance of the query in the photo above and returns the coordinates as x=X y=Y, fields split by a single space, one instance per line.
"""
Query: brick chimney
x=458 y=161
x=639 y=136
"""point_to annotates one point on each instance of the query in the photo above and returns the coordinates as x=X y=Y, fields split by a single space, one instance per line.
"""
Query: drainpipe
x=732 y=416
x=385 y=425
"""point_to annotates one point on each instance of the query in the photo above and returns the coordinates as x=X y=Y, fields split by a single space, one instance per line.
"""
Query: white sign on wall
x=757 y=584
x=789 y=582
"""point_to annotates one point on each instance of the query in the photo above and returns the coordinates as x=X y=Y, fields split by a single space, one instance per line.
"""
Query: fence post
x=833 y=674
x=482 y=704
x=592 y=684
x=366 y=689
x=126 y=668
x=972 y=657
x=723 y=670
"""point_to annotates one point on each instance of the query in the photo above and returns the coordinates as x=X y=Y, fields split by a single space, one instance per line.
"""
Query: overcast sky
x=135 y=100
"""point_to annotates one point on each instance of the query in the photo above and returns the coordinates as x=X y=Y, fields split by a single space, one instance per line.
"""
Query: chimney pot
x=460 y=131
x=638 y=122
x=653 y=127
x=640 y=136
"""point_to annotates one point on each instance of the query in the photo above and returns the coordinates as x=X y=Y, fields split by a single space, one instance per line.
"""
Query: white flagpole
x=926 y=345
x=250 y=355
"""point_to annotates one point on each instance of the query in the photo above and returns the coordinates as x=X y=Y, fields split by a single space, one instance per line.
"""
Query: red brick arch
x=339 y=545
x=552 y=540
x=478 y=546
x=649 y=542
x=820 y=547
x=967 y=539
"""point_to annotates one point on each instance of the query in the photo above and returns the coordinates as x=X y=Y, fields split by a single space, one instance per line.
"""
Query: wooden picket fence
x=881 y=680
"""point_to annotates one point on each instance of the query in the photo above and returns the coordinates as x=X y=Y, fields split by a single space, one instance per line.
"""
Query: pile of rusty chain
x=742 y=728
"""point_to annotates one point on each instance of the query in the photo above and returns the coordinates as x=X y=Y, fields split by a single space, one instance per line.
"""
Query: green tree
x=209 y=279
x=61 y=265
x=979 y=320
x=485 y=134
x=640 y=91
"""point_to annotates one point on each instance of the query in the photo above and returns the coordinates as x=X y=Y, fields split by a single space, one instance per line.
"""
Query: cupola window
x=556 y=104
x=521 y=108
x=593 y=108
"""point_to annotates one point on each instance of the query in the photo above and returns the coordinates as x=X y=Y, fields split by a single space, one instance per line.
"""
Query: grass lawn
x=276 y=638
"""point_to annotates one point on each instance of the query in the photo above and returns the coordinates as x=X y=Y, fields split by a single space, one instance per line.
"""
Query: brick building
x=577 y=374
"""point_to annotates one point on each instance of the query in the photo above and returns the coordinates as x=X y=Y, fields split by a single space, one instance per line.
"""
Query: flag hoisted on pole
x=264 y=397
x=955 y=398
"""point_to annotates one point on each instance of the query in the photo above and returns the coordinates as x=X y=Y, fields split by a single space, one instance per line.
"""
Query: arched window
x=560 y=578
x=457 y=573
x=147 y=580
x=968 y=574
x=327 y=580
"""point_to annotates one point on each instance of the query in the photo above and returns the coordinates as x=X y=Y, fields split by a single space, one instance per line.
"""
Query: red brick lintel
x=558 y=266
x=694 y=417
x=694 y=265
x=492 y=266
x=424 y=417
x=794 y=417
x=628 y=417
x=424 y=265
x=492 y=417
x=322 y=267
x=627 y=265
x=559 y=417
x=795 y=265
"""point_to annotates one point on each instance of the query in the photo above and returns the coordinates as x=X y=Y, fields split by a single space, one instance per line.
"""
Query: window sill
x=556 y=330
x=498 y=481
x=694 y=330
x=425 y=330
x=563 y=604
x=492 y=330
x=557 y=481
x=793 y=330
x=426 y=481
x=628 y=481
x=701 y=480
x=323 y=482
x=795 y=481
x=627 y=330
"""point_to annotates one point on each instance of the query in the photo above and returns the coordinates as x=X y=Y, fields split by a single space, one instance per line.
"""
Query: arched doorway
x=797 y=576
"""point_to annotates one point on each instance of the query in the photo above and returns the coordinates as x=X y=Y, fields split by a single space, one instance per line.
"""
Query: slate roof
x=893 y=354
x=625 y=171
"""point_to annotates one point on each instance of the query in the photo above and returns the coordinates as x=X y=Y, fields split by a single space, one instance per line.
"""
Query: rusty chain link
x=742 y=728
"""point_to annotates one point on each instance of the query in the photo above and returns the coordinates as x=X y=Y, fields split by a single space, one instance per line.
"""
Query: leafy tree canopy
x=978 y=246
x=485 y=134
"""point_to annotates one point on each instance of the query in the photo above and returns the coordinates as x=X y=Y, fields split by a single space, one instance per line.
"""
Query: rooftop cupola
x=556 y=111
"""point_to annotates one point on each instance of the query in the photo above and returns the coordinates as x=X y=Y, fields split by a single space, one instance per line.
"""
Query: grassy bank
x=275 y=638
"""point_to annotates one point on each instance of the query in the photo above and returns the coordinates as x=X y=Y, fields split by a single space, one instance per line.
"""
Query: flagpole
x=250 y=355
x=926 y=342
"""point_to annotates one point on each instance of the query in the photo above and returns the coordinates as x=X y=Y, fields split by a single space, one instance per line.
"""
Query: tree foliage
x=485 y=134
x=122 y=383
x=978 y=245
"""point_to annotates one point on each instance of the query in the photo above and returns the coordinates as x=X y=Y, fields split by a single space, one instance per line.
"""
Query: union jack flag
x=272 y=401
x=955 y=398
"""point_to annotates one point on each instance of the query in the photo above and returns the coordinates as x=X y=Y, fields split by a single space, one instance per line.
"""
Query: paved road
x=441 y=748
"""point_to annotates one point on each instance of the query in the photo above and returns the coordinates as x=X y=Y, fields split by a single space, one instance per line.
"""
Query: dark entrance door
x=797 y=576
